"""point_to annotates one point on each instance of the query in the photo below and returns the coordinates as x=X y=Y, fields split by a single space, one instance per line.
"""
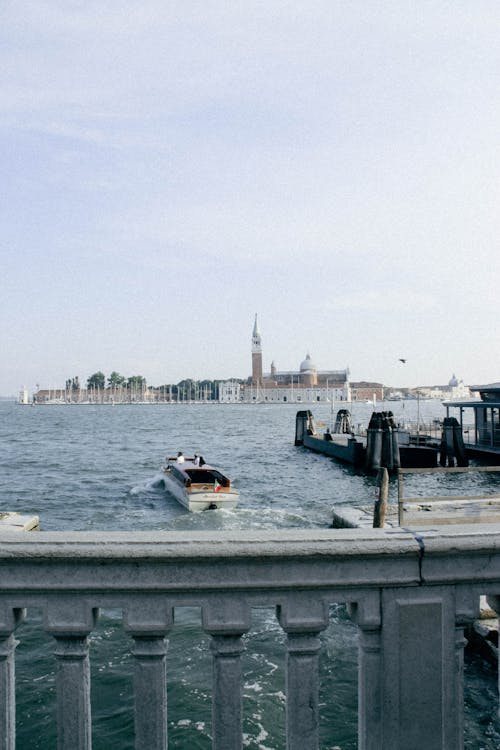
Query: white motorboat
x=198 y=487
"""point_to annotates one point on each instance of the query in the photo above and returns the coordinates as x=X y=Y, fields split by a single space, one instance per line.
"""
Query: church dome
x=307 y=365
x=453 y=382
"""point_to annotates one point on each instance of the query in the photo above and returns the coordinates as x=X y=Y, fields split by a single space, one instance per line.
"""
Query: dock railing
x=419 y=431
x=469 y=434
x=410 y=594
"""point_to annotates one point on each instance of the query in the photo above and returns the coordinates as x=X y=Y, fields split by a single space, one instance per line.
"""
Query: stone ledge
x=237 y=544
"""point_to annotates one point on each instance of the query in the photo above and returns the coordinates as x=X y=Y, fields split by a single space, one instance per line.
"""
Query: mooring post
x=381 y=501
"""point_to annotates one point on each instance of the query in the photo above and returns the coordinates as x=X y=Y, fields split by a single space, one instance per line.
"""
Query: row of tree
x=115 y=380
x=98 y=381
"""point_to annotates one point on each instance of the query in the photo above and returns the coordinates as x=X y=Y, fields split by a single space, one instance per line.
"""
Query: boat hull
x=342 y=448
x=195 y=500
x=352 y=451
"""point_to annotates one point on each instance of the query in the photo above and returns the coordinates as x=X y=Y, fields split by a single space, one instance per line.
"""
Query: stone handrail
x=411 y=595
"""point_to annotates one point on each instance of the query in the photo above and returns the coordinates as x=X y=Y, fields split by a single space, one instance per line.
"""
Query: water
x=97 y=467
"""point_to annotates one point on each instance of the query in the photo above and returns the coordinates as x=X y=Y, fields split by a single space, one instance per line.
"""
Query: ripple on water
x=97 y=468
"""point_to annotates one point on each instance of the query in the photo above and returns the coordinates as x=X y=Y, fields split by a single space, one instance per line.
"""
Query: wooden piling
x=381 y=501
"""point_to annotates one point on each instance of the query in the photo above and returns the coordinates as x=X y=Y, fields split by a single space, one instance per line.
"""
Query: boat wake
x=147 y=485
x=238 y=518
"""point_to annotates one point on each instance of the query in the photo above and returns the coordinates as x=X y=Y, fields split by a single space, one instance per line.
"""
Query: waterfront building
x=367 y=391
x=455 y=389
x=305 y=385
x=230 y=392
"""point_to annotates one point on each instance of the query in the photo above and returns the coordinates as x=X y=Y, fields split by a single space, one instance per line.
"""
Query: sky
x=170 y=169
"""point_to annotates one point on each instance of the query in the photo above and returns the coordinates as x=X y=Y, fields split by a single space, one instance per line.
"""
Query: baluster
x=70 y=621
x=226 y=619
x=420 y=693
x=494 y=603
x=302 y=618
x=73 y=693
x=466 y=611
x=366 y=614
x=9 y=619
x=148 y=622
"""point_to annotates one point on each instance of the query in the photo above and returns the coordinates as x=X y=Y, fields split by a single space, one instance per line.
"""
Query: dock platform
x=421 y=513
x=13 y=521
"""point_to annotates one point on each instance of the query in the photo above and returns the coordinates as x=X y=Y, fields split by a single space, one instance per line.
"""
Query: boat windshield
x=204 y=476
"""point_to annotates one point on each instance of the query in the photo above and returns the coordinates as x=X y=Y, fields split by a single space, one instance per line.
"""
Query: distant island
x=307 y=384
x=119 y=389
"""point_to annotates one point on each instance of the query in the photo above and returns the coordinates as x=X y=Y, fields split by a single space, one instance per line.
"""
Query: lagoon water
x=97 y=468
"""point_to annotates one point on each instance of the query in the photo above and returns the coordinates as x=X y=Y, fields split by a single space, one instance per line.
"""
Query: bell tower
x=256 y=355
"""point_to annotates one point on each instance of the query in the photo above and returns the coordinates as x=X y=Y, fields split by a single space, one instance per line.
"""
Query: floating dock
x=420 y=513
x=384 y=445
x=12 y=521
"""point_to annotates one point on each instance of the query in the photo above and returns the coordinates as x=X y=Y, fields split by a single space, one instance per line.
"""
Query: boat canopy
x=206 y=476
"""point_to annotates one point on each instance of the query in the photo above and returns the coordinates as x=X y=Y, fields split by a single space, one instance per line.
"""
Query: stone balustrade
x=410 y=594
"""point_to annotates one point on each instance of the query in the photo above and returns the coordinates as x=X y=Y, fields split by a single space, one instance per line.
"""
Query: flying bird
x=402 y=360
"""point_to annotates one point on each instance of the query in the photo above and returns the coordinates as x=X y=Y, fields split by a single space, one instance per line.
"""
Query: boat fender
x=452 y=444
x=369 y=451
x=374 y=443
x=445 y=449
x=387 y=448
x=343 y=422
x=396 y=457
x=393 y=443
x=300 y=427
x=458 y=444
x=376 y=458
x=369 y=444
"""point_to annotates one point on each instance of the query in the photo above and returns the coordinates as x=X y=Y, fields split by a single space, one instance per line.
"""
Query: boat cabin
x=480 y=422
x=189 y=474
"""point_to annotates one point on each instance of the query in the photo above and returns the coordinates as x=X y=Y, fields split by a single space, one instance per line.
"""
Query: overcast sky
x=172 y=168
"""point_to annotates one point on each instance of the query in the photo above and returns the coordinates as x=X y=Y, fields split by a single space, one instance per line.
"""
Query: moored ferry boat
x=198 y=487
